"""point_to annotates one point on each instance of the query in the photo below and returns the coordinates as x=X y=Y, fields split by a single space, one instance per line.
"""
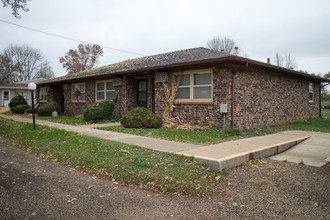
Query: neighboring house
x=257 y=94
x=8 y=91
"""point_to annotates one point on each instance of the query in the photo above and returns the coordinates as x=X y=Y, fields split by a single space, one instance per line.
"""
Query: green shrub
x=47 y=109
x=99 y=111
x=17 y=100
x=20 y=109
x=28 y=111
x=141 y=118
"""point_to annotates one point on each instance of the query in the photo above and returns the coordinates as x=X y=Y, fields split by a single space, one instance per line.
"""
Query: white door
x=6 y=99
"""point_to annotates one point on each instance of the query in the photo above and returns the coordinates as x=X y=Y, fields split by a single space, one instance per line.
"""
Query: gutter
x=320 y=97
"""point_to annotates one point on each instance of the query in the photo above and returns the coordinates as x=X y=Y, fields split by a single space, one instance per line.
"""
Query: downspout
x=232 y=99
x=320 y=95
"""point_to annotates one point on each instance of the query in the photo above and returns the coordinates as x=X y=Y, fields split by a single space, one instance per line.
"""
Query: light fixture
x=32 y=87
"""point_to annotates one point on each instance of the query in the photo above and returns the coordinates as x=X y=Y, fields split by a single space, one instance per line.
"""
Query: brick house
x=256 y=94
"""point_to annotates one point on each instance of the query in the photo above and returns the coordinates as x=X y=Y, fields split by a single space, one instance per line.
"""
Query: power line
x=68 y=38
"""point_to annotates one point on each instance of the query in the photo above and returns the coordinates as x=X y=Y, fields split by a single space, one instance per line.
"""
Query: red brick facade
x=261 y=98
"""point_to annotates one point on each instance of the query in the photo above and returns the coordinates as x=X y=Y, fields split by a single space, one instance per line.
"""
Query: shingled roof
x=148 y=62
x=181 y=58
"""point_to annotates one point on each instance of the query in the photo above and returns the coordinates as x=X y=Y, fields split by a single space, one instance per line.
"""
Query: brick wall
x=74 y=108
x=260 y=99
x=265 y=98
x=126 y=96
x=204 y=114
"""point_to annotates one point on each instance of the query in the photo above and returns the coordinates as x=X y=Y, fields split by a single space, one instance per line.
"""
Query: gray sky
x=260 y=27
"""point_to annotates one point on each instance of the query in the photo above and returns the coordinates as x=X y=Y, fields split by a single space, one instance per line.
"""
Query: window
x=105 y=90
x=43 y=97
x=311 y=92
x=195 y=86
x=78 y=92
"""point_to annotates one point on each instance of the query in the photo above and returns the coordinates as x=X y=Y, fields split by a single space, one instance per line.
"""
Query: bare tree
x=45 y=72
x=6 y=69
x=85 y=58
x=16 y=5
x=278 y=60
x=225 y=44
x=287 y=61
x=26 y=63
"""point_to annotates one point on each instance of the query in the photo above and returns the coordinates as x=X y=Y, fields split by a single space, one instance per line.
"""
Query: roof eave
x=228 y=59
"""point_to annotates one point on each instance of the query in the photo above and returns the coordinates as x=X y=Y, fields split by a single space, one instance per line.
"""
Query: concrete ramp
x=233 y=153
x=315 y=151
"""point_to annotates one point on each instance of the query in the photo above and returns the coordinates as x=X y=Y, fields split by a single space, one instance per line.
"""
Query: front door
x=6 y=97
x=142 y=93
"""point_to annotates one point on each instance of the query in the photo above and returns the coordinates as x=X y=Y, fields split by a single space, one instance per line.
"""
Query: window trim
x=43 y=93
x=192 y=86
x=311 y=92
x=104 y=90
x=77 y=84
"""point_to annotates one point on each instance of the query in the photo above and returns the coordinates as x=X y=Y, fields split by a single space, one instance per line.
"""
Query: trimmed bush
x=99 y=111
x=47 y=109
x=20 y=109
x=15 y=101
x=141 y=118
x=29 y=111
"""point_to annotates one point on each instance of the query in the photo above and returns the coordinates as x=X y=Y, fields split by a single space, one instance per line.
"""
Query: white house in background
x=8 y=91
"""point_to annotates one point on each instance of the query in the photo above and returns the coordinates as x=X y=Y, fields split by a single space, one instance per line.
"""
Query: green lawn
x=120 y=162
x=204 y=136
x=70 y=120
x=318 y=124
x=214 y=135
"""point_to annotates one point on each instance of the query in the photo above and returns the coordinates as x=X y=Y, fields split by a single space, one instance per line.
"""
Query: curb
x=238 y=159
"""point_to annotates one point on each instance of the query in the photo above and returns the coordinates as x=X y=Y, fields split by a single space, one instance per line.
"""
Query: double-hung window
x=78 y=92
x=43 y=97
x=195 y=86
x=311 y=90
x=105 y=90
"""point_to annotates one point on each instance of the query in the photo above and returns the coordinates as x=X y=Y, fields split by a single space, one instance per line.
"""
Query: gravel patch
x=34 y=188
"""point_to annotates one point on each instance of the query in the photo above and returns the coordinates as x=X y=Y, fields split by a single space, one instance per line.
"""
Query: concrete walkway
x=221 y=156
x=313 y=152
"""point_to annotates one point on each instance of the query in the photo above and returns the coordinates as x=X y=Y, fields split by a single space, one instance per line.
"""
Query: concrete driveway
x=315 y=151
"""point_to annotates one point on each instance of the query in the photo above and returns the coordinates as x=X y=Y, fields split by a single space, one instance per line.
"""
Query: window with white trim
x=105 y=90
x=195 y=86
x=311 y=90
x=78 y=92
x=43 y=96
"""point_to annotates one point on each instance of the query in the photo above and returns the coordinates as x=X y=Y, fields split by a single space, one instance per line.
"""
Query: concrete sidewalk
x=313 y=152
x=221 y=156
x=234 y=153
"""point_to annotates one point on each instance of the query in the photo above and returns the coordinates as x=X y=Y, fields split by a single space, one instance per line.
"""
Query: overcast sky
x=260 y=27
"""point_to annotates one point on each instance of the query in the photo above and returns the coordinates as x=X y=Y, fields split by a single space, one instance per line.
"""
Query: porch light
x=32 y=87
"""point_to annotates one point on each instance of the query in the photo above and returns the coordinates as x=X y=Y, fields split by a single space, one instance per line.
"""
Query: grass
x=63 y=119
x=120 y=162
x=204 y=136
x=69 y=120
x=214 y=135
x=317 y=124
